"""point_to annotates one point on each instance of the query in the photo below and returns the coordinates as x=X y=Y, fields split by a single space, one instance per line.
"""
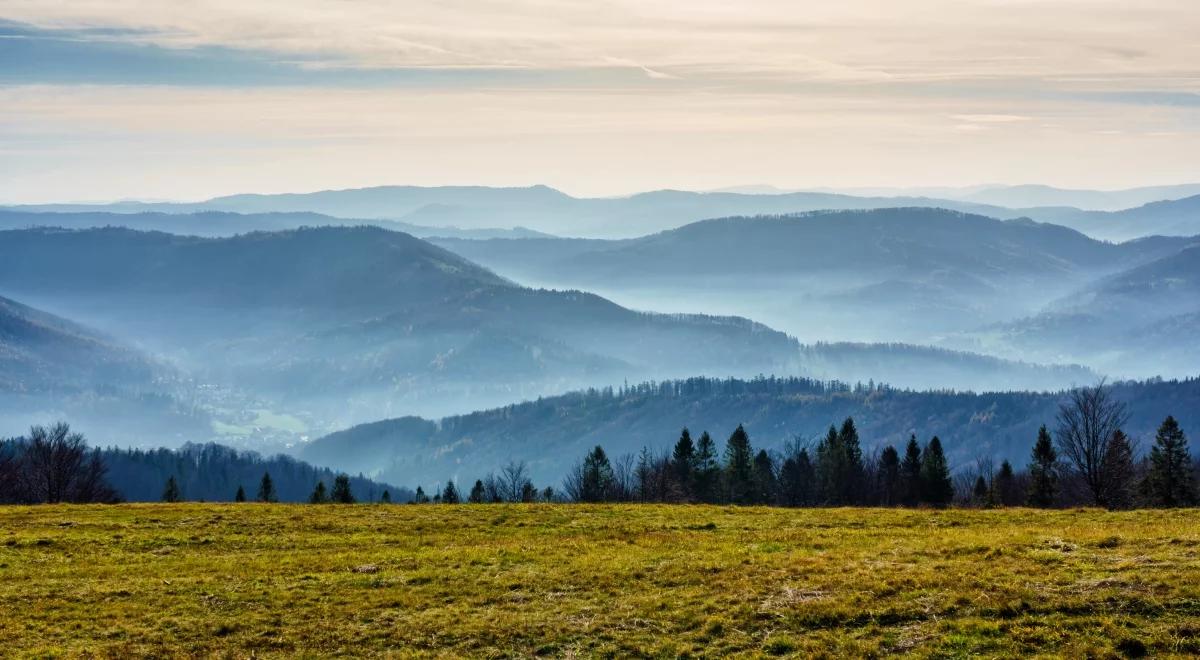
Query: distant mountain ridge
x=213 y=224
x=1118 y=215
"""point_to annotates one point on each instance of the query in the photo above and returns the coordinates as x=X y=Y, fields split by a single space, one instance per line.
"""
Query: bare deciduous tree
x=53 y=465
x=1086 y=426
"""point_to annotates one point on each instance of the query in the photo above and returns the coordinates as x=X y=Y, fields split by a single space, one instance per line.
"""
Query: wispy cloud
x=144 y=97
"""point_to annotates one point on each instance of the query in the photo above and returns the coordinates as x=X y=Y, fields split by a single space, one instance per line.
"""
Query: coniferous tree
x=980 y=491
x=319 y=495
x=852 y=463
x=528 y=492
x=420 y=497
x=830 y=467
x=683 y=463
x=1170 y=482
x=171 y=491
x=765 y=484
x=889 y=480
x=596 y=482
x=341 y=490
x=1004 y=486
x=910 y=472
x=739 y=467
x=240 y=496
x=548 y=494
x=1043 y=471
x=266 y=489
x=386 y=498
x=796 y=480
x=708 y=472
x=1118 y=469
x=937 y=488
x=450 y=493
x=477 y=493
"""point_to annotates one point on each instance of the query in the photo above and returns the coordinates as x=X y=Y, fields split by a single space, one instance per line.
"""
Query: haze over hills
x=1144 y=316
x=52 y=367
x=909 y=275
x=551 y=434
x=345 y=324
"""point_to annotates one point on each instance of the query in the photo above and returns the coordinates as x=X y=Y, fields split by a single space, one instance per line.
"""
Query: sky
x=160 y=99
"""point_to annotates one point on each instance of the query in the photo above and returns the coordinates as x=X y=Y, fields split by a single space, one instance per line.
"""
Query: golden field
x=594 y=580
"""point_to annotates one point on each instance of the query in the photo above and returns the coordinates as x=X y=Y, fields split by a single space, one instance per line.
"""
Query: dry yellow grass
x=616 y=581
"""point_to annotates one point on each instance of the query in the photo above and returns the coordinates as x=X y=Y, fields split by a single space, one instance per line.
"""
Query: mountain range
x=926 y=276
x=544 y=209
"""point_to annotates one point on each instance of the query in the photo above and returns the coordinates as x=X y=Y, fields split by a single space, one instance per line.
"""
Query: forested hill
x=552 y=433
x=213 y=473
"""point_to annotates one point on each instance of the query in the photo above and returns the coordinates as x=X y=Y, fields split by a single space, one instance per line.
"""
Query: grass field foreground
x=603 y=580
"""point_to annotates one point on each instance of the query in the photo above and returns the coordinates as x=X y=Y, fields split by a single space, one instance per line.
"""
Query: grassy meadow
x=605 y=580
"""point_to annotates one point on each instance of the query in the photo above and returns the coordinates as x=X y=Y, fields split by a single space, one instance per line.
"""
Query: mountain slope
x=52 y=368
x=1137 y=321
x=553 y=433
x=1177 y=217
x=1025 y=196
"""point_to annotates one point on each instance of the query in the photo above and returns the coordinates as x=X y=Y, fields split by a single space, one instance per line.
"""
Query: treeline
x=215 y=473
x=1088 y=460
x=53 y=464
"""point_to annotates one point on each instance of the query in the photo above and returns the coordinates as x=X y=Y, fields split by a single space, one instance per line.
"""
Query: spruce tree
x=341 y=490
x=910 y=472
x=739 y=467
x=937 y=489
x=240 y=496
x=765 y=484
x=477 y=493
x=830 y=467
x=528 y=492
x=1170 y=481
x=707 y=472
x=386 y=498
x=450 y=493
x=1118 y=470
x=171 y=491
x=596 y=480
x=852 y=463
x=420 y=497
x=1043 y=471
x=1004 y=486
x=319 y=495
x=683 y=463
x=266 y=489
x=890 y=491
x=980 y=491
x=548 y=494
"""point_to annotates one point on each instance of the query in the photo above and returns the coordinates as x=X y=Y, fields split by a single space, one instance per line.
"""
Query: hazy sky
x=104 y=99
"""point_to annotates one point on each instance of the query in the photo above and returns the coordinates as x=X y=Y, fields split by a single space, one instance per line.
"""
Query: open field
x=619 y=581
